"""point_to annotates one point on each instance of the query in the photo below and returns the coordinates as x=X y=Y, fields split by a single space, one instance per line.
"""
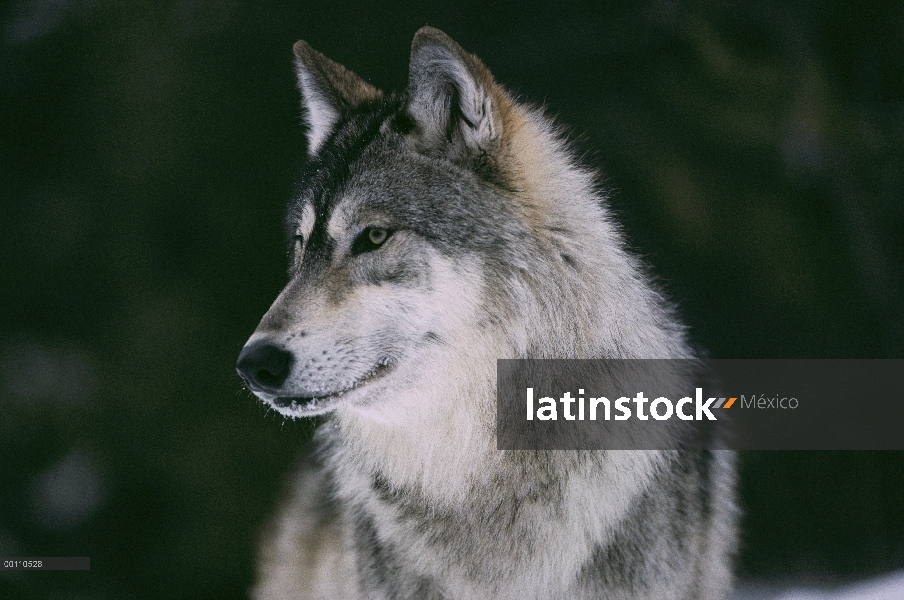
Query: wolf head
x=432 y=231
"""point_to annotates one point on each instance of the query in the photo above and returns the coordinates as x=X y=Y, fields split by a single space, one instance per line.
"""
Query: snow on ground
x=885 y=587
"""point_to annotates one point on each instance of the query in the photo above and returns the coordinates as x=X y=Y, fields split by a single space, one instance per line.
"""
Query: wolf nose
x=264 y=367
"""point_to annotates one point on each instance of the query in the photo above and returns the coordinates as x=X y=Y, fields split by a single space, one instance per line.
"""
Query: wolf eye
x=370 y=239
x=297 y=242
x=295 y=252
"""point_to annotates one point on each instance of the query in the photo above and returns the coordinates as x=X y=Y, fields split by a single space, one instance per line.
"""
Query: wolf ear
x=452 y=97
x=327 y=90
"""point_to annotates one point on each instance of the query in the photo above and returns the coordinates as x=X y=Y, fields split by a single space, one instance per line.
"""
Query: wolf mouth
x=326 y=402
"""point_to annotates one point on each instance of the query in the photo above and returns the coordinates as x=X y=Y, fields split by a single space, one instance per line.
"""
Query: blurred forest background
x=146 y=154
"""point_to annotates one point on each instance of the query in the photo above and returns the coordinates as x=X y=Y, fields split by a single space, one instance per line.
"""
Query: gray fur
x=498 y=245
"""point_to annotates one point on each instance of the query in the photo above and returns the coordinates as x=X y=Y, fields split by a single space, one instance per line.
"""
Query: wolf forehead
x=430 y=159
x=368 y=168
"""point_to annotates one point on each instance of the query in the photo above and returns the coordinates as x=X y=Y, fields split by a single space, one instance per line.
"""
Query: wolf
x=433 y=232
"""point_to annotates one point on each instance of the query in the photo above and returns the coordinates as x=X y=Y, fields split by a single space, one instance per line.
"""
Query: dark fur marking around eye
x=403 y=124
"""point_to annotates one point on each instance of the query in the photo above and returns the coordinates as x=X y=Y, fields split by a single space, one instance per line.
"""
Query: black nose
x=264 y=367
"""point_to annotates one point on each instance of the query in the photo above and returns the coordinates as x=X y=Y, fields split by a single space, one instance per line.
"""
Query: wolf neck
x=576 y=294
x=586 y=296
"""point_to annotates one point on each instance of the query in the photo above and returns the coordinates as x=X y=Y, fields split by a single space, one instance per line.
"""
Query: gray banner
x=742 y=404
x=44 y=563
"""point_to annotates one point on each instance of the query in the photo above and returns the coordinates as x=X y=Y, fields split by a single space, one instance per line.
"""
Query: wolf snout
x=264 y=366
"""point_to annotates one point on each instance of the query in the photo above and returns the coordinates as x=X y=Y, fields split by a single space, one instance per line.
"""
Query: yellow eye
x=377 y=235
x=370 y=239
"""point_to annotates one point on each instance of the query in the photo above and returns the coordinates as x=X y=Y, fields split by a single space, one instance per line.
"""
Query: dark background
x=146 y=154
